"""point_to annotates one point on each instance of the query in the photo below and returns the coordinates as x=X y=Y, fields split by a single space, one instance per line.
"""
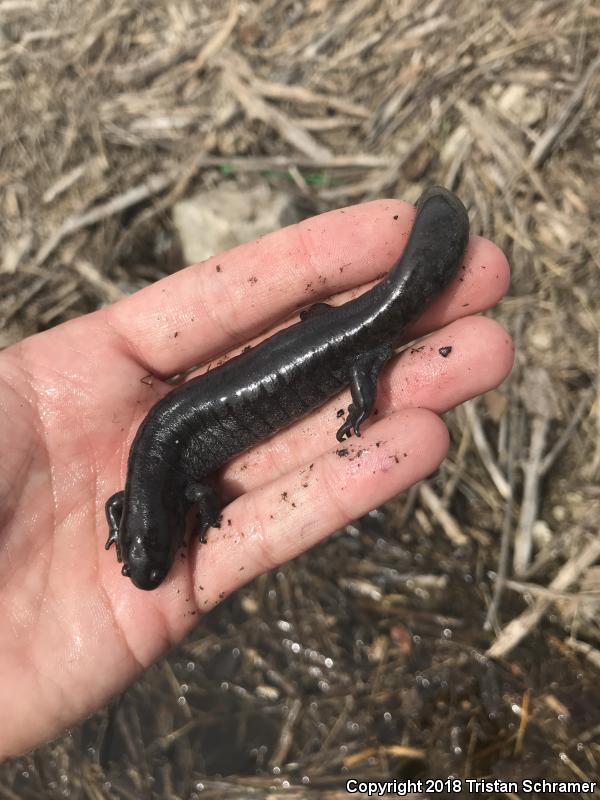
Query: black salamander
x=203 y=423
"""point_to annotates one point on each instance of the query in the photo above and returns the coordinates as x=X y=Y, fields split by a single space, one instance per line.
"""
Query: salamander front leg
x=114 y=512
x=363 y=387
x=207 y=503
x=314 y=311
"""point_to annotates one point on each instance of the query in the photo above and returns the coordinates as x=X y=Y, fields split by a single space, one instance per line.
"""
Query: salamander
x=201 y=424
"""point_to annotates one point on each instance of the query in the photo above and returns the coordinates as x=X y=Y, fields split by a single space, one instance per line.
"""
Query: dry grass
x=112 y=111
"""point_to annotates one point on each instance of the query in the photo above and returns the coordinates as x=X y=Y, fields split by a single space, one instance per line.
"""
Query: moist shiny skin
x=203 y=423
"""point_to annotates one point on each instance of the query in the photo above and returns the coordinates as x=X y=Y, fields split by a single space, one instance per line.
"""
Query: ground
x=340 y=664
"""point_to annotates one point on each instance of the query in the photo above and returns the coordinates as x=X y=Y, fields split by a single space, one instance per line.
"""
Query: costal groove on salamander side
x=200 y=425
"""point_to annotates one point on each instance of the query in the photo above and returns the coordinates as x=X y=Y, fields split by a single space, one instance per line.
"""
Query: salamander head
x=151 y=530
x=146 y=566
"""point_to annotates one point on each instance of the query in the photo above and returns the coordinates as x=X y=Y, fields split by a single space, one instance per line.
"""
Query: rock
x=221 y=218
x=520 y=106
x=455 y=143
x=541 y=338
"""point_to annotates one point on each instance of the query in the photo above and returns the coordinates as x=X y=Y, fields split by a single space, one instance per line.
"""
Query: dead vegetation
x=478 y=652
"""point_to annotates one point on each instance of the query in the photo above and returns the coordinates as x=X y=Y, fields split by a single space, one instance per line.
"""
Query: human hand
x=73 y=631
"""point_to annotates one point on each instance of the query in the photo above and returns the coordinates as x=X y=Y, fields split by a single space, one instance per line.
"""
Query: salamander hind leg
x=208 y=506
x=114 y=512
x=363 y=387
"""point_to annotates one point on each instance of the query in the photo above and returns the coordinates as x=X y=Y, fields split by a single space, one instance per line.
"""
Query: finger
x=210 y=307
x=224 y=300
x=283 y=519
x=480 y=357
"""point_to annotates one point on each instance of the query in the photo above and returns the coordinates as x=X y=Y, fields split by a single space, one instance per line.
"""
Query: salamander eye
x=156 y=576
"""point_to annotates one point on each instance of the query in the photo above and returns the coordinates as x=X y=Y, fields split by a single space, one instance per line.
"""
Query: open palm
x=73 y=631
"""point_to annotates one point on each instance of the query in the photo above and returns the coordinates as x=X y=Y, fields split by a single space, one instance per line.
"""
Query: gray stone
x=221 y=218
